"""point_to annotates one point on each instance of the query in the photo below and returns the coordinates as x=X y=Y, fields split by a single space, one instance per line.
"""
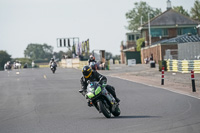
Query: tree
x=139 y=11
x=59 y=55
x=180 y=10
x=4 y=57
x=116 y=57
x=38 y=51
x=195 y=11
x=69 y=53
x=140 y=43
x=48 y=50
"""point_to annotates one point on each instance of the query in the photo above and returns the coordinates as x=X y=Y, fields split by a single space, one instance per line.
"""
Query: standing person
x=151 y=57
x=146 y=60
x=33 y=64
x=5 y=66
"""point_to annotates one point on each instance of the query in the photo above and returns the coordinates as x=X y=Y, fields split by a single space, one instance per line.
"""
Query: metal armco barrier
x=193 y=81
x=184 y=66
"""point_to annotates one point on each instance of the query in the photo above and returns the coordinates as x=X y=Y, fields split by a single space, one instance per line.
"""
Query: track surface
x=37 y=101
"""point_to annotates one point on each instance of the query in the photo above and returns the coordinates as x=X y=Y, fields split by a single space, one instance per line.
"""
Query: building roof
x=133 y=33
x=170 y=18
x=180 y=39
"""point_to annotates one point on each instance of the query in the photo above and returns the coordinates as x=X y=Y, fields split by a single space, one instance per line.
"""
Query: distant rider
x=92 y=75
x=52 y=61
x=92 y=63
x=92 y=59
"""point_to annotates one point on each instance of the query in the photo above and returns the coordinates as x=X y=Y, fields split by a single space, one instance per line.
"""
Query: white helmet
x=91 y=57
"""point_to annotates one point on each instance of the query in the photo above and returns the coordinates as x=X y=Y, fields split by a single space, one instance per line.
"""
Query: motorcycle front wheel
x=106 y=112
x=53 y=70
x=117 y=111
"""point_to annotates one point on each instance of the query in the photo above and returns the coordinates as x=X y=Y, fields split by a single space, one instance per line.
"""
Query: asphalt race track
x=37 y=101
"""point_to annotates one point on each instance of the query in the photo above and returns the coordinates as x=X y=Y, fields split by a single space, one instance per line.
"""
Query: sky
x=43 y=21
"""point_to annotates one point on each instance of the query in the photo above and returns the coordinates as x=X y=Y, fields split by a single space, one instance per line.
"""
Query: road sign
x=66 y=42
x=131 y=62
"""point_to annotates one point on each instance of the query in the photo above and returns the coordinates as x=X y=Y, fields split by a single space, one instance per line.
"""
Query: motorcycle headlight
x=90 y=95
x=98 y=90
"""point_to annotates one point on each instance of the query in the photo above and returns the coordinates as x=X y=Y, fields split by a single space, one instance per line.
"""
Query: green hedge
x=41 y=61
x=161 y=64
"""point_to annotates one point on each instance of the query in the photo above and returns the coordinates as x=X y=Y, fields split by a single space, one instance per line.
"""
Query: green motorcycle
x=102 y=100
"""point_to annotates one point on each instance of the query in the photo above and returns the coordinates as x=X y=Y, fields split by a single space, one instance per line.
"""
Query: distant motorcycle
x=102 y=100
x=53 y=67
x=8 y=66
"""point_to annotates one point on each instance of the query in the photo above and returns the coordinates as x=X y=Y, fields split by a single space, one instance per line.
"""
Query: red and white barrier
x=163 y=76
x=193 y=81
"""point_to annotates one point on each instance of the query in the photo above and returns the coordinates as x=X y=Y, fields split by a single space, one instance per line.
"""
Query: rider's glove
x=104 y=85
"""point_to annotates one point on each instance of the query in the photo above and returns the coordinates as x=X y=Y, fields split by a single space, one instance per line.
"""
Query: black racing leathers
x=95 y=76
x=91 y=60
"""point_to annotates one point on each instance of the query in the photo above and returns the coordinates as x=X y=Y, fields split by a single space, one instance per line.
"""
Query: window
x=131 y=37
x=182 y=31
x=137 y=37
x=156 y=32
x=165 y=32
x=159 y=32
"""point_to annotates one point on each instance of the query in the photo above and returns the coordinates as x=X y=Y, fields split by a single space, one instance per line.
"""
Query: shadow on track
x=129 y=117
x=135 y=117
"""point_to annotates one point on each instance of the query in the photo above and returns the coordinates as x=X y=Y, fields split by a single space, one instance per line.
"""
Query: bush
x=140 y=43
x=161 y=64
x=4 y=57
x=41 y=61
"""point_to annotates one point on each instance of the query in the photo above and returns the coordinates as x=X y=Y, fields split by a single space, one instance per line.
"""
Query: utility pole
x=149 y=29
x=141 y=20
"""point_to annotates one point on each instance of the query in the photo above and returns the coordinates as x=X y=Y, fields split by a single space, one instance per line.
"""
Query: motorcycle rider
x=92 y=63
x=52 y=61
x=92 y=59
x=92 y=75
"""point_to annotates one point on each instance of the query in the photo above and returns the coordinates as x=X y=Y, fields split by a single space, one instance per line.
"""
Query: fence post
x=193 y=81
x=162 y=80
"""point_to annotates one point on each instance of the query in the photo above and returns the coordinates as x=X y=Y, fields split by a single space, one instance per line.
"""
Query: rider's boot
x=117 y=99
x=90 y=103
